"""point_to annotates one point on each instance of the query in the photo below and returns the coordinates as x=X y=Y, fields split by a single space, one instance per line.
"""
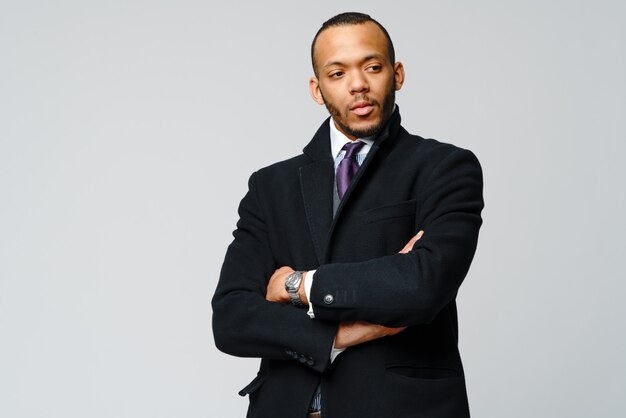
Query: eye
x=336 y=74
x=374 y=68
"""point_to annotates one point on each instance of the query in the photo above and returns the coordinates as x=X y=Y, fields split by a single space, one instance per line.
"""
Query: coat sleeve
x=411 y=289
x=244 y=323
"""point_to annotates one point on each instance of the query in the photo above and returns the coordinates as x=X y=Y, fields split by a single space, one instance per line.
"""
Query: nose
x=358 y=83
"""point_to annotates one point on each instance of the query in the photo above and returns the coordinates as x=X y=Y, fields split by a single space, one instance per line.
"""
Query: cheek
x=334 y=101
x=332 y=91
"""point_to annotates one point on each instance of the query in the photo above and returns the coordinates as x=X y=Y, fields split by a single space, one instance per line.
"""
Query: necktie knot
x=352 y=148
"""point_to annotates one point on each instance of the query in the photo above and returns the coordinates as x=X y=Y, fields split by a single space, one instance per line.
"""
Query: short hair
x=351 y=18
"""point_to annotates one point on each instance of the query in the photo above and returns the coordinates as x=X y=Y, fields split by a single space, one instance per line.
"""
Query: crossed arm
x=419 y=282
x=349 y=333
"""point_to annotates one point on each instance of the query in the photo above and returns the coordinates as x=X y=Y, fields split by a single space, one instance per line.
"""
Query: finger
x=281 y=270
x=394 y=331
x=409 y=246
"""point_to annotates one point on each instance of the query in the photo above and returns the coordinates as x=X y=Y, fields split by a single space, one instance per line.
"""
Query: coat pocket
x=425 y=392
x=253 y=386
x=393 y=210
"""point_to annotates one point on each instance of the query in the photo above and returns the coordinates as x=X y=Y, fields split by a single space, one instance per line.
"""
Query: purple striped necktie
x=348 y=167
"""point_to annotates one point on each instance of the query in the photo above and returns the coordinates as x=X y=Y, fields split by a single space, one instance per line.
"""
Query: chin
x=369 y=128
x=362 y=132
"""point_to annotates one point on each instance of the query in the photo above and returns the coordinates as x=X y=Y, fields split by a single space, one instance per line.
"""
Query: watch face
x=292 y=280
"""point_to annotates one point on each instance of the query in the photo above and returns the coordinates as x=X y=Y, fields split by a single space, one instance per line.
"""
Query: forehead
x=343 y=43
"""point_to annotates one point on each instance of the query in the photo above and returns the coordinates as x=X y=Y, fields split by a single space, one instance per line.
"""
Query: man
x=346 y=261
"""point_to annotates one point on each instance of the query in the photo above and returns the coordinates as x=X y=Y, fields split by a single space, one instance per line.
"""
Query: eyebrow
x=367 y=58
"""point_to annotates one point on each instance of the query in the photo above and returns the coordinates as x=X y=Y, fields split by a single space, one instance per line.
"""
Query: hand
x=359 y=332
x=409 y=245
x=276 y=291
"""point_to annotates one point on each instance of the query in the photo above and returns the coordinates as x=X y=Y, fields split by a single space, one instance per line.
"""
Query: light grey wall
x=128 y=130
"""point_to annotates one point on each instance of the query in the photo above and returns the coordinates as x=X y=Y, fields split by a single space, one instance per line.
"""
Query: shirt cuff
x=308 y=282
x=335 y=352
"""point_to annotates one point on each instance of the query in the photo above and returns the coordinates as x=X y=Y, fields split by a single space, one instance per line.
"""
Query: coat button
x=288 y=351
x=294 y=355
x=328 y=299
x=310 y=361
x=302 y=359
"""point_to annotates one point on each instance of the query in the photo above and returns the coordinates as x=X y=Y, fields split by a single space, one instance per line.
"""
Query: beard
x=386 y=109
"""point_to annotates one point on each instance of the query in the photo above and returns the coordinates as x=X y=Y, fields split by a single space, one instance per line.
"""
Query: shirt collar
x=338 y=140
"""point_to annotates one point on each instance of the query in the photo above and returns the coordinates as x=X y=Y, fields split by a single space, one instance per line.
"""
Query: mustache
x=362 y=98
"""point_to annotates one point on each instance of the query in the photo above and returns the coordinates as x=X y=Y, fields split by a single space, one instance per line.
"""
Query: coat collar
x=317 y=183
x=319 y=147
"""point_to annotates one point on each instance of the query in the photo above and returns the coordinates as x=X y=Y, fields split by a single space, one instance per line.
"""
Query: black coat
x=405 y=184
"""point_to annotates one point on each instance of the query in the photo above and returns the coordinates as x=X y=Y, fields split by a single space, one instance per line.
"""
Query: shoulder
x=428 y=152
x=280 y=176
x=284 y=168
x=429 y=146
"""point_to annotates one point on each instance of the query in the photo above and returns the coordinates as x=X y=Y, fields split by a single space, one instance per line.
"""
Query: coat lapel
x=316 y=183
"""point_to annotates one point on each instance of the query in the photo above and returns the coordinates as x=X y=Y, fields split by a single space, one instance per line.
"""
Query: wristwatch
x=292 y=283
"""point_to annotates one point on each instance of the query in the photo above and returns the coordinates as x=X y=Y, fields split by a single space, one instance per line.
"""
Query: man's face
x=356 y=81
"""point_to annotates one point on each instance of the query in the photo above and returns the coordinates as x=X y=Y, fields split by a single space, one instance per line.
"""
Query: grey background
x=128 y=130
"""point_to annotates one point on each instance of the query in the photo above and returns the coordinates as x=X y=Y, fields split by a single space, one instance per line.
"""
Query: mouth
x=362 y=108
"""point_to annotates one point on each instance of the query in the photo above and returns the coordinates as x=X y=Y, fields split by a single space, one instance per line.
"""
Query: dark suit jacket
x=405 y=184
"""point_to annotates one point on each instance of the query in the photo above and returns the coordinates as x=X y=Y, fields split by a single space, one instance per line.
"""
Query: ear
x=316 y=93
x=398 y=75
